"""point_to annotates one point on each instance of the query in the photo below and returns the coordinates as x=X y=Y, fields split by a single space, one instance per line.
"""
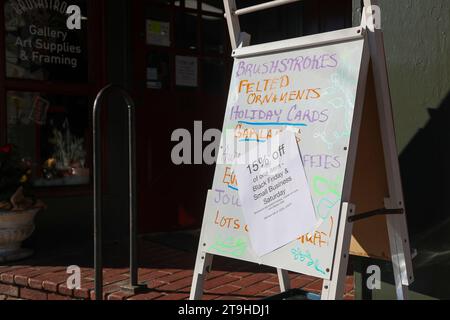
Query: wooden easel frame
x=397 y=226
x=396 y=223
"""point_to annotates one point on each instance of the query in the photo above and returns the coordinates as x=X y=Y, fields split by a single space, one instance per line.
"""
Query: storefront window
x=186 y=30
x=188 y=4
x=52 y=73
x=163 y=2
x=52 y=132
x=40 y=46
x=213 y=6
x=213 y=34
x=213 y=75
x=191 y=4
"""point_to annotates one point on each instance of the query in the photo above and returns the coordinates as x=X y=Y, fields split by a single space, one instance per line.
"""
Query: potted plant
x=17 y=206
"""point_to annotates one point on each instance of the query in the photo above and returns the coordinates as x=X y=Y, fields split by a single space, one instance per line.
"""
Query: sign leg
x=400 y=251
x=333 y=289
x=202 y=268
x=283 y=279
x=397 y=227
x=398 y=260
x=400 y=255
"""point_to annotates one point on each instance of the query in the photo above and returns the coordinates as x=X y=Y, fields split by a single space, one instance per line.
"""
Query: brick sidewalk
x=167 y=273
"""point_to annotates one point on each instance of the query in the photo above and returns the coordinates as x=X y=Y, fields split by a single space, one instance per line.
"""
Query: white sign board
x=314 y=90
x=186 y=70
x=274 y=192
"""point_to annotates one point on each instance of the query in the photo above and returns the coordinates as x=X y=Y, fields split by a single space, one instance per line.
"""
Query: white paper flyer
x=274 y=193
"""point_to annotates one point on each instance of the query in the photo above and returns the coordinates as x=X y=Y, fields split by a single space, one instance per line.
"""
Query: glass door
x=181 y=69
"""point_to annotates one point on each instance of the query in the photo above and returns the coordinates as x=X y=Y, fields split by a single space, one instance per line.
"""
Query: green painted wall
x=417 y=42
x=419 y=64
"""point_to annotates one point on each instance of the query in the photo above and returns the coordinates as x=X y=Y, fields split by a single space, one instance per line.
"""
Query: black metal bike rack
x=133 y=285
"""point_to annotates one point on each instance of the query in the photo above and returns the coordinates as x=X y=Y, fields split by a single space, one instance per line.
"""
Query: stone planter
x=15 y=227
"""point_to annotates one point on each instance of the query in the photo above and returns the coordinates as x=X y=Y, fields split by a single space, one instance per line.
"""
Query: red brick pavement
x=167 y=273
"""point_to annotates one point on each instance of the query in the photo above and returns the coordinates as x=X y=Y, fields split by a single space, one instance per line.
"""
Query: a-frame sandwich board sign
x=346 y=70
